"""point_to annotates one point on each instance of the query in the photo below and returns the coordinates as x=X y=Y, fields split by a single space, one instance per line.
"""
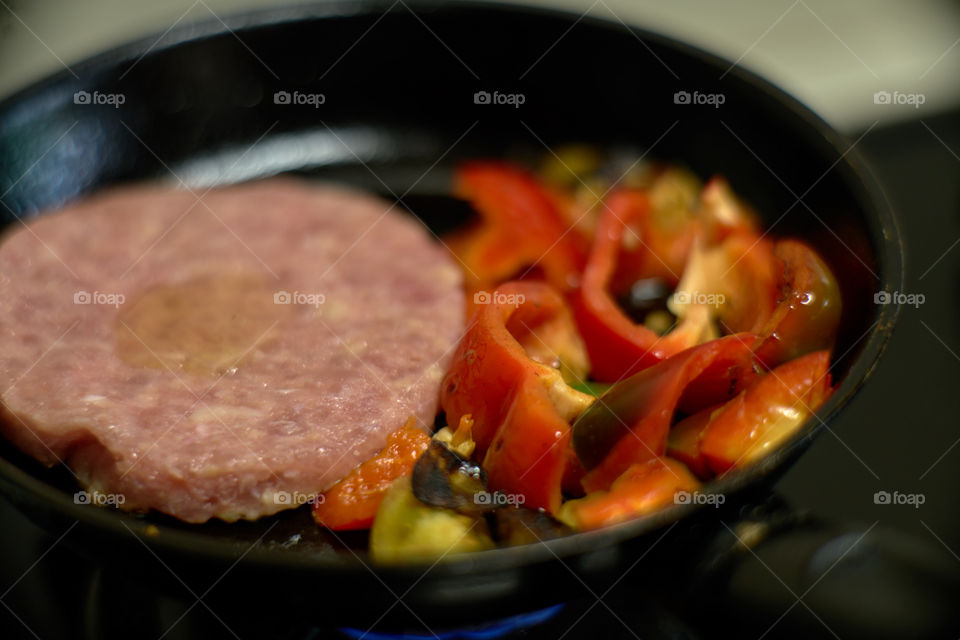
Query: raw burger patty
x=266 y=341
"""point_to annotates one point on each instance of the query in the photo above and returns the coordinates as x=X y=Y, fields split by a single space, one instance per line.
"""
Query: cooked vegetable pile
x=629 y=339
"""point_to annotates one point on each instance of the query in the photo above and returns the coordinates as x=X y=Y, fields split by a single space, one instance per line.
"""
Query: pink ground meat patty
x=225 y=358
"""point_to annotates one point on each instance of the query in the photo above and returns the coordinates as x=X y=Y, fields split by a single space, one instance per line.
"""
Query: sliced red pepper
x=657 y=392
x=522 y=228
x=490 y=365
x=643 y=488
x=520 y=406
x=352 y=503
x=730 y=372
x=684 y=441
x=661 y=238
x=554 y=342
x=807 y=317
x=770 y=411
x=529 y=454
x=617 y=346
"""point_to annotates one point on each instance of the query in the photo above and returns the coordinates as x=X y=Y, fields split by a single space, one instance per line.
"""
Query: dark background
x=907 y=417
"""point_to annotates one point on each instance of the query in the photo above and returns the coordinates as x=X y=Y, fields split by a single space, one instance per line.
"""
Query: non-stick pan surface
x=405 y=91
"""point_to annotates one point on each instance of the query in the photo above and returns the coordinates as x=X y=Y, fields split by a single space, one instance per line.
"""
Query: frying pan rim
x=858 y=179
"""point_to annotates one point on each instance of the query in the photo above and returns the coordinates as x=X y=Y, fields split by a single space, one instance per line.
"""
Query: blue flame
x=488 y=631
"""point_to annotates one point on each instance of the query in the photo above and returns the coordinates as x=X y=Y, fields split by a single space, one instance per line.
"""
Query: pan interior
x=394 y=114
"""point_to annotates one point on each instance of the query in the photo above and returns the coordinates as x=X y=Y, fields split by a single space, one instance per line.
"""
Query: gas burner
x=502 y=628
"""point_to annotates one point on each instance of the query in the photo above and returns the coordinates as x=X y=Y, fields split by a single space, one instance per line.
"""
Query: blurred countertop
x=834 y=56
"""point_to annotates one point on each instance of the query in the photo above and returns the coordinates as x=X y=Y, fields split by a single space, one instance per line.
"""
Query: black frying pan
x=399 y=84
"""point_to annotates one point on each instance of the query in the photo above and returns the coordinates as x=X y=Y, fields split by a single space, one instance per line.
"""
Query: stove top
x=53 y=592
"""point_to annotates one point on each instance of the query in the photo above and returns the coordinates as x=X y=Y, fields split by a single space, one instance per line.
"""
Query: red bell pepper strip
x=521 y=229
x=658 y=391
x=807 y=317
x=490 y=366
x=767 y=413
x=617 y=346
x=352 y=503
x=657 y=246
x=643 y=488
x=530 y=452
x=730 y=372
x=683 y=442
x=521 y=407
